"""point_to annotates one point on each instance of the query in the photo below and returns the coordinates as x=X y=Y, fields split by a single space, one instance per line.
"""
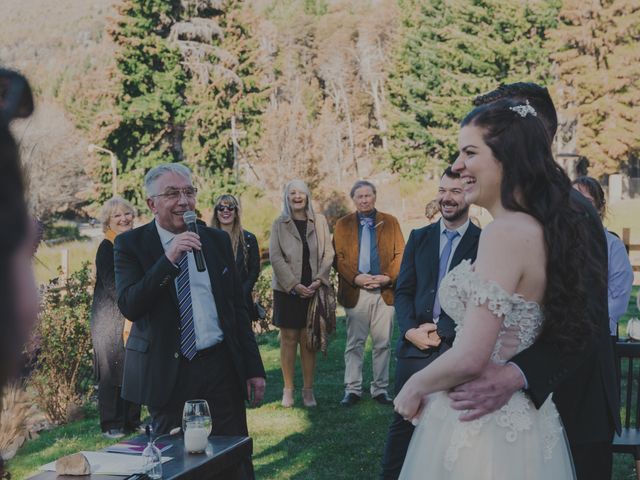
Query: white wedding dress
x=516 y=442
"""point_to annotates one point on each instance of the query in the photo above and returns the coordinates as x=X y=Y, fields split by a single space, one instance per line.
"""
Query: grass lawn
x=49 y=259
x=328 y=442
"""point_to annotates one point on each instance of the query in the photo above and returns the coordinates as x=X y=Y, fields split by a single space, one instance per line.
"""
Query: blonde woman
x=301 y=254
x=226 y=216
x=117 y=416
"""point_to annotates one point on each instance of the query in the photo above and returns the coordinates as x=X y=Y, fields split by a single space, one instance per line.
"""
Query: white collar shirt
x=462 y=229
x=205 y=314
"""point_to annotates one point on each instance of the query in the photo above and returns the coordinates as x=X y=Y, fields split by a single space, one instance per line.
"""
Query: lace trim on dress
x=550 y=419
x=462 y=286
x=521 y=323
x=461 y=437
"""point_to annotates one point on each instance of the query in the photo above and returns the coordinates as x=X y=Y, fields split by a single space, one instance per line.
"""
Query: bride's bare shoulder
x=515 y=230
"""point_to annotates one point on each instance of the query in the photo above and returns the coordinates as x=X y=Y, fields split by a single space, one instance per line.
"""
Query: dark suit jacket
x=416 y=291
x=147 y=296
x=583 y=383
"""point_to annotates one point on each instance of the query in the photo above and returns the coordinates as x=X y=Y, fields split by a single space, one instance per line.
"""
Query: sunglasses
x=16 y=100
x=222 y=208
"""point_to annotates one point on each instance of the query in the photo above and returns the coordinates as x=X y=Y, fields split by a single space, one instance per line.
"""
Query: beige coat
x=285 y=252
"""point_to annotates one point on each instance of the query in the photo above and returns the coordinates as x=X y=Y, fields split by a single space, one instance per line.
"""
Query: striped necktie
x=444 y=261
x=187 y=329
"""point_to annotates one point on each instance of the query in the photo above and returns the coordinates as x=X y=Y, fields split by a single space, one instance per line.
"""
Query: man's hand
x=424 y=336
x=363 y=279
x=315 y=285
x=487 y=393
x=181 y=243
x=382 y=280
x=256 y=385
x=302 y=291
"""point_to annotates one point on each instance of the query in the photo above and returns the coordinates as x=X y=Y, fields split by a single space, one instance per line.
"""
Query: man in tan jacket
x=368 y=246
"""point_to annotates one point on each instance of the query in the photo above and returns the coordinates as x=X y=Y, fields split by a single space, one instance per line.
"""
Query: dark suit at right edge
x=415 y=294
x=583 y=384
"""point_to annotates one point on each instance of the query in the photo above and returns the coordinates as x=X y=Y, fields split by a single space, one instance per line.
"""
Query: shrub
x=63 y=373
x=61 y=231
x=264 y=295
x=14 y=415
x=335 y=206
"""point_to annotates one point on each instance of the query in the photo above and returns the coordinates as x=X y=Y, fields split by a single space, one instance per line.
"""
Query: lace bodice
x=522 y=319
x=521 y=323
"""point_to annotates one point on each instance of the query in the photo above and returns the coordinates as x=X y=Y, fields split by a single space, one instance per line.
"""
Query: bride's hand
x=410 y=402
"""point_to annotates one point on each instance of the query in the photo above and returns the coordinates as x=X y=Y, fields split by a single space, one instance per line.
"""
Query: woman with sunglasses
x=226 y=216
x=301 y=254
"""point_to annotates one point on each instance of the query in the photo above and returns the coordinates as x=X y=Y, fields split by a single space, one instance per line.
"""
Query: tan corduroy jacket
x=390 y=244
x=285 y=252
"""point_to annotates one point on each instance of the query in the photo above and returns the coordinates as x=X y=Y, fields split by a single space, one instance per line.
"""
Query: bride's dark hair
x=535 y=184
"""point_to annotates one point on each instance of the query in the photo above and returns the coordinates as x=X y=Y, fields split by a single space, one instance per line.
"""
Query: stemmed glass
x=196 y=425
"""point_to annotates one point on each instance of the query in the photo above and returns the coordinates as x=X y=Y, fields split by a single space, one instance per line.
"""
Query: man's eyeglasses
x=174 y=193
x=222 y=208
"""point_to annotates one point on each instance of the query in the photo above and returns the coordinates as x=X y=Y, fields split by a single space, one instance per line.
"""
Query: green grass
x=80 y=435
x=49 y=259
x=328 y=442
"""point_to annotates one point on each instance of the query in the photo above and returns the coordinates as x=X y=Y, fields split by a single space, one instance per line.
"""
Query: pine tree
x=597 y=62
x=226 y=97
x=150 y=103
x=451 y=52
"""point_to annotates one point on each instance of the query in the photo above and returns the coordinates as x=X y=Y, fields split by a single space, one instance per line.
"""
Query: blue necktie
x=364 y=259
x=444 y=261
x=185 y=307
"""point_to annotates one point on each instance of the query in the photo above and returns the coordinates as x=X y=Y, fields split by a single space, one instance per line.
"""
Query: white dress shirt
x=205 y=314
x=462 y=229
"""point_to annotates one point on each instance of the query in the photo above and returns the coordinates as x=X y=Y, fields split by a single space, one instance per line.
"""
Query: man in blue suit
x=426 y=330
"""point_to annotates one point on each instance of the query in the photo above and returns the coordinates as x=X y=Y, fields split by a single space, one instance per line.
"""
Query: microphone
x=189 y=218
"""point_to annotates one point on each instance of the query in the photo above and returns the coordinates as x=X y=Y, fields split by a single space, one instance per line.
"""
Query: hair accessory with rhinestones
x=524 y=110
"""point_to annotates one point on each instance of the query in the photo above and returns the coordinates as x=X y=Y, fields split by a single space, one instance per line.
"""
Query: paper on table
x=103 y=463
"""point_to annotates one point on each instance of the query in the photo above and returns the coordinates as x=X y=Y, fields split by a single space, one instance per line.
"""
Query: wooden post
x=64 y=262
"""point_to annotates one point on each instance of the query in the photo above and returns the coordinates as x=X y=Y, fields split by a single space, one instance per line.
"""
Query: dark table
x=221 y=462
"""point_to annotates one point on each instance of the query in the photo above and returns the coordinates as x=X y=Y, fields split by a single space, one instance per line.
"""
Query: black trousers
x=593 y=461
x=212 y=377
x=400 y=430
x=116 y=412
x=209 y=376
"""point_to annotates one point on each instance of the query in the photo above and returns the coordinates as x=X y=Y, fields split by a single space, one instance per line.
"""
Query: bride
x=526 y=283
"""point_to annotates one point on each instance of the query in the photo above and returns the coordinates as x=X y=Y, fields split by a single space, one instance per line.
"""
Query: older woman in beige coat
x=301 y=254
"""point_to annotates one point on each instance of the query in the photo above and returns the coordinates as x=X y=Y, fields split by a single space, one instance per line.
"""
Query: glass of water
x=196 y=425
